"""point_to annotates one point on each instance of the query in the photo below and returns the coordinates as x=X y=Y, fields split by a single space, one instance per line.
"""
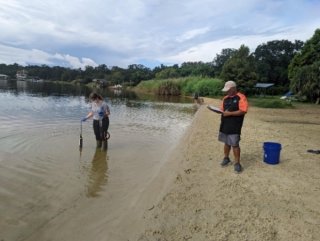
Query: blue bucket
x=271 y=152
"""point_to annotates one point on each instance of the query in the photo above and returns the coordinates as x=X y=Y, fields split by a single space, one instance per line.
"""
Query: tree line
x=288 y=65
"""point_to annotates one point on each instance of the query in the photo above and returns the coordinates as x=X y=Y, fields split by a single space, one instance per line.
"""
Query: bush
x=204 y=87
x=183 y=86
x=169 y=87
x=270 y=103
x=148 y=86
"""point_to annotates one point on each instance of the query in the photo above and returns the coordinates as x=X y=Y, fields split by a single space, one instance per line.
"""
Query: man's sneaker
x=225 y=161
x=237 y=168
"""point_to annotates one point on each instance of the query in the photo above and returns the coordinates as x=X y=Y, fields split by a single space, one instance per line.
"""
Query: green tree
x=304 y=70
x=89 y=72
x=101 y=71
x=118 y=75
x=221 y=59
x=138 y=72
x=273 y=58
x=169 y=72
x=9 y=70
x=240 y=68
x=196 y=69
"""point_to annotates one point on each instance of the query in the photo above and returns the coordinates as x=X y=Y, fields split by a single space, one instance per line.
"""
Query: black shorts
x=100 y=128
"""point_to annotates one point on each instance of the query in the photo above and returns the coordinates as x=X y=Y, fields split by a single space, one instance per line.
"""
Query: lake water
x=52 y=191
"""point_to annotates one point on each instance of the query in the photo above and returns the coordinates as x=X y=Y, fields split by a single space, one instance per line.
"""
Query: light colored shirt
x=96 y=108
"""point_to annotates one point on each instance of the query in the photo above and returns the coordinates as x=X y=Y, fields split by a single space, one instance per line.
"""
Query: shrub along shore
x=182 y=86
x=205 y=87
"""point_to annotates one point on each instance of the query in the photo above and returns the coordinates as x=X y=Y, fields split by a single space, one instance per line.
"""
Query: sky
x=78 y=33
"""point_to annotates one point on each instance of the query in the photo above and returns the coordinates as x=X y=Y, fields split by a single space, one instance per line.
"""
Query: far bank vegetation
x=182 y=86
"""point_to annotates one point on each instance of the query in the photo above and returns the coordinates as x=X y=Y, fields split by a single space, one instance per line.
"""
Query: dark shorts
x=230 y=140
x=100 y=128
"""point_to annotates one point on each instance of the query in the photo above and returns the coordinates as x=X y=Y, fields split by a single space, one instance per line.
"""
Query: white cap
x=228 y=85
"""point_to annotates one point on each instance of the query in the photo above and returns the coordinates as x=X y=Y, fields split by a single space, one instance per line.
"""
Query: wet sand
x=203 y=201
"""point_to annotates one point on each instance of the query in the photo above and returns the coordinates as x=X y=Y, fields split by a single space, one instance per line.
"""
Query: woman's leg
x=97 y=133
x=96 y=129
x=105 y=126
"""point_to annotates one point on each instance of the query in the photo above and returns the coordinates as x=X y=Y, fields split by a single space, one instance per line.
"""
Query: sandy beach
x=199 y=200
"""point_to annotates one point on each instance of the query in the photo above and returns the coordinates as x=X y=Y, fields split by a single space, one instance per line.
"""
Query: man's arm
x=233 y=113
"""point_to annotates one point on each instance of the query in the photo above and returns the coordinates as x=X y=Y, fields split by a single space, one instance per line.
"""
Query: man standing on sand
x=234 y=107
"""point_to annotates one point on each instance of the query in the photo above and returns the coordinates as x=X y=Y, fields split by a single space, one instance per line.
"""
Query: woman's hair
x=94 y=96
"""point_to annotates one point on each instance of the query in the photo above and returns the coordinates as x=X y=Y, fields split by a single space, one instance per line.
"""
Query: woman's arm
x=89 y=115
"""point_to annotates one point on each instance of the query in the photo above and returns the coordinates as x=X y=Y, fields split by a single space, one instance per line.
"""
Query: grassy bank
x=270 y=102
x=182 y=86
x=208 y=87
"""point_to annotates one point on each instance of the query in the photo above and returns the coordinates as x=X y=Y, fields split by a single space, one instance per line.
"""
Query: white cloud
x=121 y=32
x=206 y=52
x=79 y=63
x=10 y=55
x=192 y=34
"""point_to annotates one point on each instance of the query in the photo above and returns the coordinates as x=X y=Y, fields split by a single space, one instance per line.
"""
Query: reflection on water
x=51 y=191
x=21 y=86
x=42 y=88
x=98 y=173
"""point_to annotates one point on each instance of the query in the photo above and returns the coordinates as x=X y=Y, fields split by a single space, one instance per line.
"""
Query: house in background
x=262 y=88
x=4 y=77
x=22 y=75
x=100 y=83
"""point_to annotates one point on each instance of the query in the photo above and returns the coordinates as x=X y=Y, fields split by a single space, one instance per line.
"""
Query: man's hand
x=227 y=113
x=233 y=113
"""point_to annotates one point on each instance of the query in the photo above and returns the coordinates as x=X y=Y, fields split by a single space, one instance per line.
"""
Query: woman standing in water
x=100 y=112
